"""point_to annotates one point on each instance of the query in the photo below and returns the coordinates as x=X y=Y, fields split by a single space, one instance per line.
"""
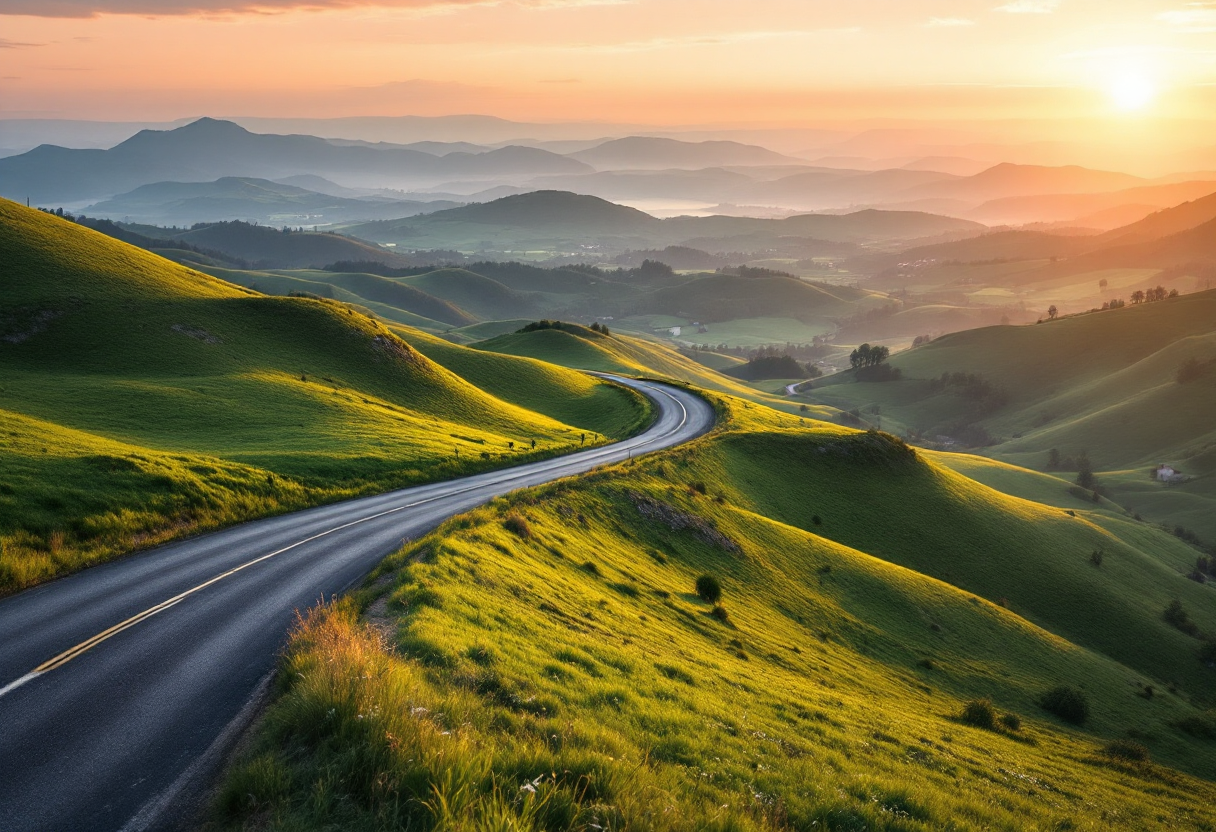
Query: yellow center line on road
x=89 y=643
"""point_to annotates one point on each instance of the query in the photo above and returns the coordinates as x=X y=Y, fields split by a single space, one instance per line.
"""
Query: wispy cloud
x=164 y=8
x=716 y=39
x=948 y=22
x=1194 y=17
x=12 y=44
x=1028 y=7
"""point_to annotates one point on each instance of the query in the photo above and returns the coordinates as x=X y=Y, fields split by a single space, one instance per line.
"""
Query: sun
x=1131 y=91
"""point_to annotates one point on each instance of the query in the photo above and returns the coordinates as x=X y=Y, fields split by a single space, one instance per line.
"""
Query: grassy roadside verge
x=547 y=663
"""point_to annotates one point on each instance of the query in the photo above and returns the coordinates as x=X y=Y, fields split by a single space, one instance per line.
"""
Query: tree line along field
x=144 y=400
x=559 y=660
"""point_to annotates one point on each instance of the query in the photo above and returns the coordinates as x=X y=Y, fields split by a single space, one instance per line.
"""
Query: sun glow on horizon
x=1131 y=91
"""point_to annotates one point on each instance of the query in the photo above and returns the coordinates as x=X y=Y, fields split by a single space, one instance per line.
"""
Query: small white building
x=675 y=331
x=1167 y=473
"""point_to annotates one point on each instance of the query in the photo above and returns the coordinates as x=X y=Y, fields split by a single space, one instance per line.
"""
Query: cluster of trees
x=1150 y=295
x=769 y=362
x=1115 y=303
x=754 y=271
x=868 y=364
x=921 y=339
x=868 y=356
x=802 y=352
x=1059 y=462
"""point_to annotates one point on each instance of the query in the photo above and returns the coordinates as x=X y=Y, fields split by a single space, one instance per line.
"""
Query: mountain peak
x=206 y=124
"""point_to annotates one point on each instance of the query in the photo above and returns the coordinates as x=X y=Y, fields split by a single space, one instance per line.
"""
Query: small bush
x=719 y=612
x=1095 y=557
x=517 y=525
x=591 y=567
x=708 y=589
x=1177 y=617
x=1200 y=726
x=1068 y=703
x=979 y=713
x=1011 y=722
x=1126 y=750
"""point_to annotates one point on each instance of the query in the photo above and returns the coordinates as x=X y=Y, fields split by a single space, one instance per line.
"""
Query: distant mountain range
x=208 y=149
x=659 y=173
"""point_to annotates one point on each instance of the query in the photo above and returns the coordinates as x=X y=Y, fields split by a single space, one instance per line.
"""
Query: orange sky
x=655 y=61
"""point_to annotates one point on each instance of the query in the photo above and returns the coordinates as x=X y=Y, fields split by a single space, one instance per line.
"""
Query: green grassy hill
x=581 y=348
x=722 y=297
x=142 y=400
x=484 y=297
x=390 y=299
x=1105 y=383
x=865 y=601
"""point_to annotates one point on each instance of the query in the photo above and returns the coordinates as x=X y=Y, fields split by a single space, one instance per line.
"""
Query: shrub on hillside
x=708 y=589
x=517 y=525
x=1011 y=722
x=1202 y=726
x=979 y=713
x=1068 y=703
x=1177 y=617
x=719 y=612
x=1126 y=750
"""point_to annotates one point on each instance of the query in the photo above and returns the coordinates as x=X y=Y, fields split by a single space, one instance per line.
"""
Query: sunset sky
x=778 y=62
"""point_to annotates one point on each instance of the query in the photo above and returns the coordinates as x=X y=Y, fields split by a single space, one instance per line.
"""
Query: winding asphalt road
x=123 y=686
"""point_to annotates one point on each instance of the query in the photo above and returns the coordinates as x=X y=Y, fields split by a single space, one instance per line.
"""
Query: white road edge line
x=89 y=643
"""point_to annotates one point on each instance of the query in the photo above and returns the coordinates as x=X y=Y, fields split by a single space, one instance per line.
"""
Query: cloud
x=12 y=44
x=1028 y=7
x=1196 y=17
x=948 y=22
x=159 y=8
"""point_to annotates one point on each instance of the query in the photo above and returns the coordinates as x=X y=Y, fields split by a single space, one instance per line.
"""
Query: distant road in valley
x=123 y=686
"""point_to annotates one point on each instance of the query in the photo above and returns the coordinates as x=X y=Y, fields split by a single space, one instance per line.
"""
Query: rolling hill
x=1012 y=180
x=144 y=400
x=568 y=222
x=249 y=199
x=256 y=246
x=1078 y=206
x=759 y=631
x=1105 y=383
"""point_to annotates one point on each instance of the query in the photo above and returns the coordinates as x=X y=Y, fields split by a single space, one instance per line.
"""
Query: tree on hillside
x=1085 y=472
x=1138 y=296
x=1052 y=312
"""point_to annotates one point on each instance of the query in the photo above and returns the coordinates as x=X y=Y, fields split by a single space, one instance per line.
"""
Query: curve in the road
x=116 y=681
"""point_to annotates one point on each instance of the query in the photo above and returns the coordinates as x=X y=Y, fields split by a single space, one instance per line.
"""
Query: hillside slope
x=576 y=346
x=823 y=691
x=1106 y=383
x=145 y=400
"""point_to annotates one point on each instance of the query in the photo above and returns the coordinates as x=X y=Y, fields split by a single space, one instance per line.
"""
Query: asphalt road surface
x=123 y=686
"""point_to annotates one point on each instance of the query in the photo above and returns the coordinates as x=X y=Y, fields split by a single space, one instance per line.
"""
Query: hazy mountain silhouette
x=248 y=198
x=208 y=149
x=643 y=152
